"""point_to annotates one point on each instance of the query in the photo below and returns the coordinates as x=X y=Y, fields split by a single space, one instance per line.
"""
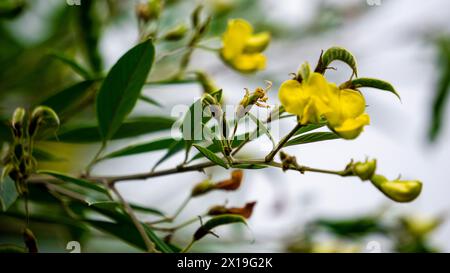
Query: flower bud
x=365 y=170
x=207 y=83
x=202 y=188
x=149 y=11
x=41 y=115
x=17 y=121
x=397 y=190
x=176 y=33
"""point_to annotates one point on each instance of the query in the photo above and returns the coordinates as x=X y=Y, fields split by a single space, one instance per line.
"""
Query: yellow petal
x=248 y=63
x=351 y=128
x=291 y=97
x=352 y=103
x=257 y=43
x=235 y=37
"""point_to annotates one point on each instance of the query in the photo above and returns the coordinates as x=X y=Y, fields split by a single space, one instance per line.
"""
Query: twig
x=282 y=142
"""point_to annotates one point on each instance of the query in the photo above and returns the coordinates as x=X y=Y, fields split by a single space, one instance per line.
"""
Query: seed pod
x=245 y=211
x=17 y=121
x=231 y=184
x=397 y=190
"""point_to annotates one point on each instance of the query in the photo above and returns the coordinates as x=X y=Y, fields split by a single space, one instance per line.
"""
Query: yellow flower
x=309 y=100
x=242 y=49
x=347 y=118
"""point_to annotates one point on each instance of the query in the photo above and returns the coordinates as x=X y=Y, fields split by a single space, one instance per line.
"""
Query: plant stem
x=96 y=158
x=282 y=142
x=148 y=243
x=186 y=249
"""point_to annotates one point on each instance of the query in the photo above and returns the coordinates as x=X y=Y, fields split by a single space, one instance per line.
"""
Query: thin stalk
x=282 y=142
x=188 y=247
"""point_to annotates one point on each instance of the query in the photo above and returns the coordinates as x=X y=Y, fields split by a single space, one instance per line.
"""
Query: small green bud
x=17 y=121
x=176 y=33
x=397 y=190
x=365 y=170
x=41 y=115
x=207 y=83
x=202 y=188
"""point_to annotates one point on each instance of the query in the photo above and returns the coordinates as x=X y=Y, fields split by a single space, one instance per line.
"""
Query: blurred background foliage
x=39 y=42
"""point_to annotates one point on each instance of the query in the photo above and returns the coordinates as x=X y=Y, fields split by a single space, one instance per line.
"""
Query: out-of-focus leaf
x=11 y=9
x=337 y=53
x=193 y=124
x=211 y=156
x=357 y=227
x=216 y=221
x=149 y=100
x=77 y=181
x=442 y=90
x=83 y=72
x=111 y=205
x=131 y=128
x=68 y=97
x=8 y=192
x=150 y=146
x=9 y=248
x=312 y=137
x=41 y=155
x=174 y=148
x=122 y=87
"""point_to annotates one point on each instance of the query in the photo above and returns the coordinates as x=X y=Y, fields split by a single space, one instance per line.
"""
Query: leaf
x=261 y=127
x=114 y=206
x=149 y=100
x=374 y=83
x=151 y=146
x=211 y=156
x=307 y=128
x=121 y=88
x=131 y=128
x=41 y=155
x=69 y=97
x=83 y=72
x=128 y=233
x=337 y=53
x=8 y=193
x=217 y=147
x=312 y=137
x=216 y=221
x=77 y=181
x=176 y=147
x=357 y=227
x=10 y=248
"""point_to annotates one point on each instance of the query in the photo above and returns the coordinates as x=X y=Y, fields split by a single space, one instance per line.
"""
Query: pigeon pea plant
x=307 y=97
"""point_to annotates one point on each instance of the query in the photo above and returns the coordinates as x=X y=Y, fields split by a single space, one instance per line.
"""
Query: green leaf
x=149 y=100
x=312 y=137
x=8 y=193
x=69 y=97
x=122 y=87
x=374 y=83
x=128 y=233
x=216 y=147
x=307 y=128
x=77 y=181
x=216 y=221
x=261 y=127
x=9 y=248
x=176 y=147
x=150 y=146
x=83 y=72
x=114 y=206
x=211 y=156
x=352 y=228
x=337 y=53
x=41 y=155
x=130 y=128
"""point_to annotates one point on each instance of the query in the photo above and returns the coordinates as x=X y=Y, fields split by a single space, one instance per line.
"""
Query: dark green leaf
x=111 y=205
x=177 y=146
x=151 y=146
x=69 y=97
x=351 y=227
x=216 y=147
x=312 y=137
x=211 y=156
x=122 y=87
x=83 y=72
x=41 y=155
x=216 y=221
x=149 y=100
x=131 y=128
x=337 y=53
x=374 y=83
x=8 y=193
x=77 y=181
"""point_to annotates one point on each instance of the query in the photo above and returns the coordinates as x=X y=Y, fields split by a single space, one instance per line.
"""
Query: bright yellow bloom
x=242 y=49
x=309 y=100
x=315 y=98
x=347 y=118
